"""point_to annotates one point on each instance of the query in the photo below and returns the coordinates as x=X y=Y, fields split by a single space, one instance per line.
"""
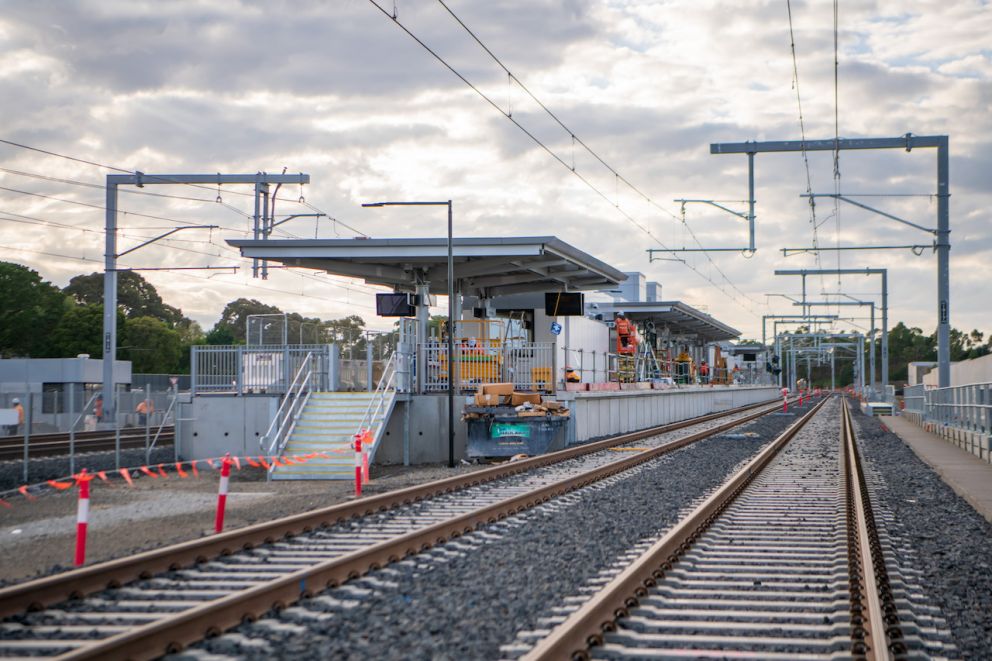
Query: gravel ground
x=953 y=542
x=51 y=468
x=37 y=537
x=466 y=598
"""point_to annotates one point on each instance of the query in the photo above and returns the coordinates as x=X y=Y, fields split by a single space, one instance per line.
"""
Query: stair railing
x=386 y=382
x=273 y=442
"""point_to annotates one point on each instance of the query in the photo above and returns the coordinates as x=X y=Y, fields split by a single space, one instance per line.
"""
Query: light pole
x=451 y=317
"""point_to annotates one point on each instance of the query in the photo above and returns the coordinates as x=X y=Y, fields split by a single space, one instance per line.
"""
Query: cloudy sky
x=336 y=89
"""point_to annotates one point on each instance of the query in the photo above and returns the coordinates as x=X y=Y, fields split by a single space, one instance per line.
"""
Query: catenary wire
x=558 y=158
x=618 y=177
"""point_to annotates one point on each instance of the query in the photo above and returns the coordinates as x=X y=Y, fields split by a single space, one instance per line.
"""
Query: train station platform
x=966 y=474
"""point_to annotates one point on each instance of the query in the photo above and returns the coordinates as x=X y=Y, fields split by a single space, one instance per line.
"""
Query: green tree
x=152 y=346
x=31 y=309
x=234 y=318
x=80 y=331
x=220 y=336
x=135 y=296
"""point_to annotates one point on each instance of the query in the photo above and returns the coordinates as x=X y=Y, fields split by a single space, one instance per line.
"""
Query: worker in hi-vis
x=144 y=409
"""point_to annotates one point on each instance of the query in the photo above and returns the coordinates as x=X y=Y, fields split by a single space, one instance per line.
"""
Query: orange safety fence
x=32 y=491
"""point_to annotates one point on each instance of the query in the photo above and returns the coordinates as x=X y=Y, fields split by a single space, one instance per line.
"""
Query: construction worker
x=571 y=376
x=704 y=372
x=12 y=429
x=626 y=334
x=144 y=409
x=98 y=407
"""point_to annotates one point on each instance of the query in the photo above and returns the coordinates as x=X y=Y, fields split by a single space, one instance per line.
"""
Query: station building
x=512 y=296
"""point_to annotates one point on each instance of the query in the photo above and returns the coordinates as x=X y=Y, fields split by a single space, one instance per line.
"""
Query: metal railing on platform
x=528 y=365
x=273 y=442
x=967 y=407
x=257 y=369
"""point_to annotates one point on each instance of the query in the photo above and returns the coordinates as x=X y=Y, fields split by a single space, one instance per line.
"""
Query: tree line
x=40 y=320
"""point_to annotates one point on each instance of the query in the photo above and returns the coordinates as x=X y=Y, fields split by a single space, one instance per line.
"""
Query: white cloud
x=336 y=90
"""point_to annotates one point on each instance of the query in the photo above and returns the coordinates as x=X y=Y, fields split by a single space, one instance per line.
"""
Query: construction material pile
x=501 y=399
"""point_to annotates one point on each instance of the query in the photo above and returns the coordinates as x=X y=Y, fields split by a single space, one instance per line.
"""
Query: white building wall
x=965 y=372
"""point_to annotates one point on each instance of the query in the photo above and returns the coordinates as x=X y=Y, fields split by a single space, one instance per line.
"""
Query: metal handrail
x=165 y=416
x=83 y=412
x=378 y=398
x=296 y=398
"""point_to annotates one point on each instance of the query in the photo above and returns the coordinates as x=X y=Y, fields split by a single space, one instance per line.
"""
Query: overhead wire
x=837 y=141
x=618 y=177
x=585 y=180
x=803 y=151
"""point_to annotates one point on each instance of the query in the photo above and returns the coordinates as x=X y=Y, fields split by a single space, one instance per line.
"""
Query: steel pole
x=943 y=266
x=885 y=330
x=110 y=303
x=451 y=345
x=871 y=348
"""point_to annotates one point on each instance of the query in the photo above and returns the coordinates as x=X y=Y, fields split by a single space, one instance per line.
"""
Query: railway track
x=784 y=561
x=159 y=601
x=52 y=445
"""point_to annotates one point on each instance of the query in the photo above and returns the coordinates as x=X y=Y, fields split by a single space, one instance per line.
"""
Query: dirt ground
x=38 y=537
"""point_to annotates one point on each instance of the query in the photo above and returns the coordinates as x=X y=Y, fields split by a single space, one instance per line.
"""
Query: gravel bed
x=465 y=599
x=953 y=543
x=51 y=468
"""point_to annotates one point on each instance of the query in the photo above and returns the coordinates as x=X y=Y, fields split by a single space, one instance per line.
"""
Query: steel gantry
x=261 y=181
x=942 y=233
x=885 y=303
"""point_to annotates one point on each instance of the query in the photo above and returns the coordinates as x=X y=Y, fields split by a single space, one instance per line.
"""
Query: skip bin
x=505 y=436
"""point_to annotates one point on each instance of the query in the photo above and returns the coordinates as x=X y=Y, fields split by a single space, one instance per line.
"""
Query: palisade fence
x=257 y=369
x=529 y=366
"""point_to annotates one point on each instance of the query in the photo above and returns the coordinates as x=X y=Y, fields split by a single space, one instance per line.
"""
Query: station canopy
x=679 y=318
x=484 y=267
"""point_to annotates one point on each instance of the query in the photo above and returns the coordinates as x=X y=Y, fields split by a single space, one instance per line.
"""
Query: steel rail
x=77 y=583
x=171 y=633
x=585 y=627
x=872 y=636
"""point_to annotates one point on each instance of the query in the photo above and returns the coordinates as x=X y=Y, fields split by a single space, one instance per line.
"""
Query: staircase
x=328 y=424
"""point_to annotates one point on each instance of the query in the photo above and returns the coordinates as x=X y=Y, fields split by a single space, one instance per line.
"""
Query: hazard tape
x=31 y=492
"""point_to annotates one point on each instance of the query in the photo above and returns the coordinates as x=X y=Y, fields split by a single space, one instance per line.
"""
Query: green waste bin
x=505 y=436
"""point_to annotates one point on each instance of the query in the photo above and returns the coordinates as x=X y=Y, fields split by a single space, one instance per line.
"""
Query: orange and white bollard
x=82 y=516
x=358 y=465
x=801 y=393
x=225 y=479
x=785 y=400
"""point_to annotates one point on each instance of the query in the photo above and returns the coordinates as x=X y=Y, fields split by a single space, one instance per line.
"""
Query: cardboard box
x=531 y=414
x=488 y=400
x=552 y=405
x=519 y=398
x=496 y=389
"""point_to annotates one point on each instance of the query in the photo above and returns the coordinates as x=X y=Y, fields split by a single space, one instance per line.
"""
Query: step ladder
x=328 y=425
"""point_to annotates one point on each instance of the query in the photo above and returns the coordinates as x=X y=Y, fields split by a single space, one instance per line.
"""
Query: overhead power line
x=802 y=131
x=618 y=178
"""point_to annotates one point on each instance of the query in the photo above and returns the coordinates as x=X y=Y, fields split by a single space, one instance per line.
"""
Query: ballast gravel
x=953 y=542
x=41 y=469
x=465 y=599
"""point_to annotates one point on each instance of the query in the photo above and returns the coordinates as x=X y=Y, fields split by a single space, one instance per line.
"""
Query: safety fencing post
x=785 y=400
x=366 y=444
x=225 y=478
x=82 y=515
x=358 y=465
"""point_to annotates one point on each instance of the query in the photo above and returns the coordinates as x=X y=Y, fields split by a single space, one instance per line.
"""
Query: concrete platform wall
x=213 y=425
x=599 y=414
x=594 y=415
